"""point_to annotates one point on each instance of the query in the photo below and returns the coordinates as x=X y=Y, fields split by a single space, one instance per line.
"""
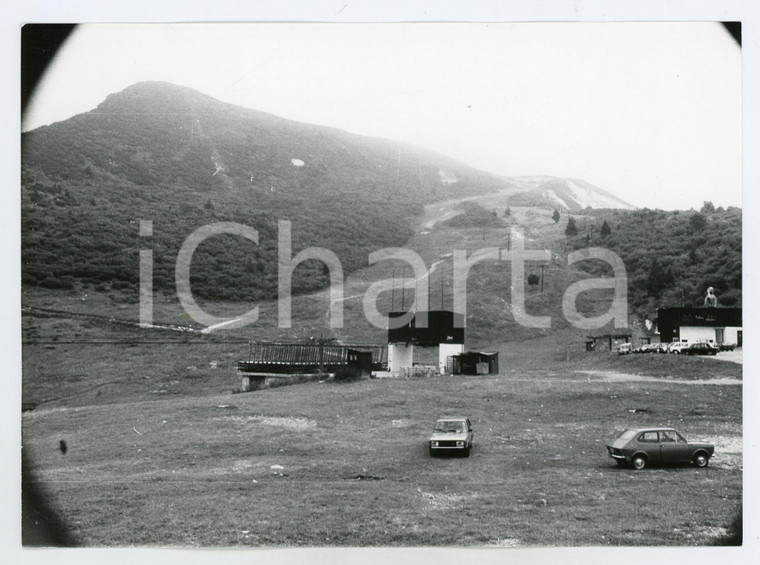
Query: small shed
x=476 y=363
x=611 y=341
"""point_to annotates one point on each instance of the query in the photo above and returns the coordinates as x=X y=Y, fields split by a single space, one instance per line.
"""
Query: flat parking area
x=734 y=356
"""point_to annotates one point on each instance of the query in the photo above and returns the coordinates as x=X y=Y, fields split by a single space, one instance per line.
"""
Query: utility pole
x=393 y=289
x=321 y=355
x=429 y=274
x=402 y=295
x=542 y=278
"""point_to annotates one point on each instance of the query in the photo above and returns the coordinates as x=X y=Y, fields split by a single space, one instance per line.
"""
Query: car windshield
x=627 y=434
x=449 y=426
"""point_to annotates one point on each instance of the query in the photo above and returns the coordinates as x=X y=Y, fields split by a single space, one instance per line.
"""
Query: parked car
x=677 y=346
x=624 y=348
x=640 y=447
x=700 y=349
x=659 y=348
x=451 y=435
x=727 y=346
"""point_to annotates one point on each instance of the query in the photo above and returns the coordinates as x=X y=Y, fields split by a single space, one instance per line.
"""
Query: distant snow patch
x=551 y=195
x=297 y=162
x=447 y=178
x=584 y=196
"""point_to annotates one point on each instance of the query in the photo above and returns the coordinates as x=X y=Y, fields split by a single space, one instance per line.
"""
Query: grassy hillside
x=490 y=316
x=183 y=160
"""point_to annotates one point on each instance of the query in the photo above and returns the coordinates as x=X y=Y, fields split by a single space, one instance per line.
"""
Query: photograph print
x=314 y=285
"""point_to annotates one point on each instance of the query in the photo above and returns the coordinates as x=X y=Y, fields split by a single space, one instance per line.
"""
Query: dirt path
x=615 y=377
x=101 y=318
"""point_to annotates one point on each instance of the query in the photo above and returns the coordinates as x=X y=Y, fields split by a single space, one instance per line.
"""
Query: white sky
x=648 y=111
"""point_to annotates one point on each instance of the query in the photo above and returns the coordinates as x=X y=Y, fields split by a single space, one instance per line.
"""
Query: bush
x=419 y=371
x=51 y=282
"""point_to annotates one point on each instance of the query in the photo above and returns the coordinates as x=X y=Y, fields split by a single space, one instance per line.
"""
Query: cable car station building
x=443 y=330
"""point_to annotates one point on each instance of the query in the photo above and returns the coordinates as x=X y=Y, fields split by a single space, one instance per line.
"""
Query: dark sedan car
x=700 y=349
x=640 y=447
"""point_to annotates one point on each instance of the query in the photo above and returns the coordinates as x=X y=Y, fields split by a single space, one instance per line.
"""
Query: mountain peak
x=156 y=97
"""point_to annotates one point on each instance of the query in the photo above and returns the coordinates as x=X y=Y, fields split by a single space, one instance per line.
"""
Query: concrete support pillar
x=400 y=356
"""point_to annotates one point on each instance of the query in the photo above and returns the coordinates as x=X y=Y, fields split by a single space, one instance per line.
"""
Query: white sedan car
x=451 y=435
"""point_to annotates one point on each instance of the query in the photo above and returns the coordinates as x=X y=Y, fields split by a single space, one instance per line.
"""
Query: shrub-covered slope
x=671 y=257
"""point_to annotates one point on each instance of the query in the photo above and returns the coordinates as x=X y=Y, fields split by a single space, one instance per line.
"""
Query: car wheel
x=700 y=460
x=432 y=452
x=466 y=451
x=639 y=462
x=676 y=352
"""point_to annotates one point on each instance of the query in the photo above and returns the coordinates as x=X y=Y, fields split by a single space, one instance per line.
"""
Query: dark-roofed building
x=716 y=325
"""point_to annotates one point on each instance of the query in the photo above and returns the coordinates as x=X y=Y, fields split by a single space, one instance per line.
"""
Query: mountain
x=169 y=154
x=571 y=195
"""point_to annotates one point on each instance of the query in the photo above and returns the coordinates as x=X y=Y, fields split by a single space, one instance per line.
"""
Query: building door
x=739 y=338
x=720 y=335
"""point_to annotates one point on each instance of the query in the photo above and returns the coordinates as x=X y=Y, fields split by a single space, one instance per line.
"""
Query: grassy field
x=187 y=463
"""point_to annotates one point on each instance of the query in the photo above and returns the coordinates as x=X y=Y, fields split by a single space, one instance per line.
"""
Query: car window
x=681 y=439
x=650 y=437
x=627 y=434
x=449 y=426
x=668 y=437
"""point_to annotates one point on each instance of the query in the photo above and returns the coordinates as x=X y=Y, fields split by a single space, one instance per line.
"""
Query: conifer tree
x=571 y=228
x=605 y=229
